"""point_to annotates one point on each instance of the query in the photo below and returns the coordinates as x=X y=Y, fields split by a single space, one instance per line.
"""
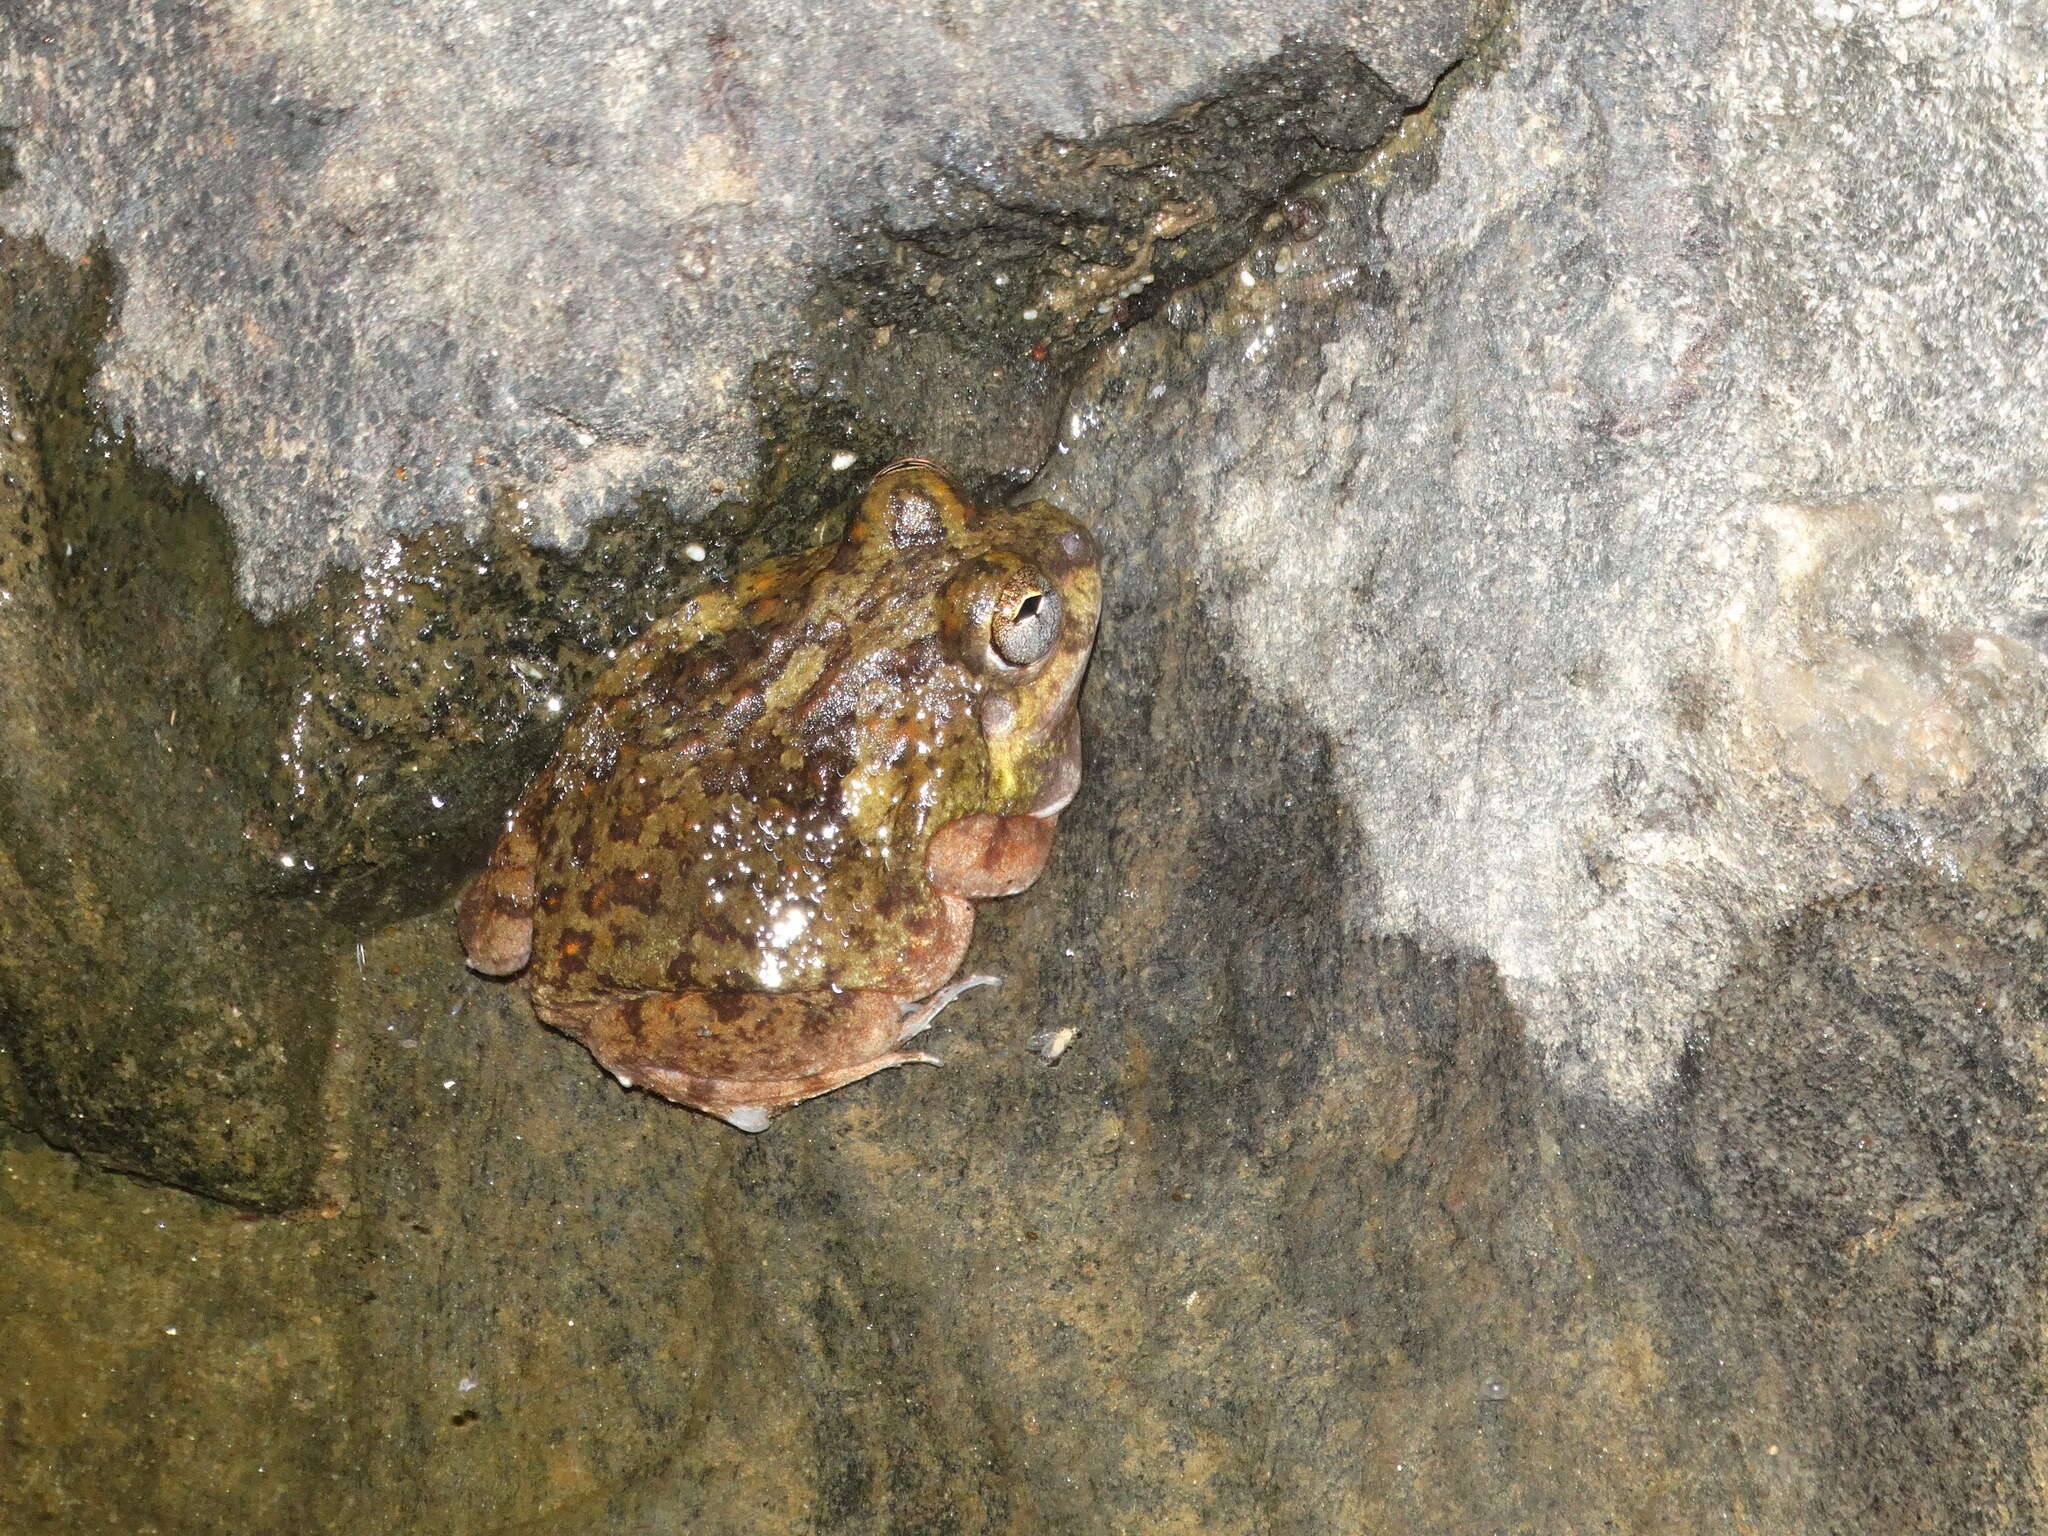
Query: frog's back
x=743 y=803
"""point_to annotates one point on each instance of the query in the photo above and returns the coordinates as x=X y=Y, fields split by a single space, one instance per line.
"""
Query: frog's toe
x=918 y=1016
x=747 y=1117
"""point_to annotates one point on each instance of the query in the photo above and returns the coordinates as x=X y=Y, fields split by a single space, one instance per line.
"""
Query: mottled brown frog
x=748 y=875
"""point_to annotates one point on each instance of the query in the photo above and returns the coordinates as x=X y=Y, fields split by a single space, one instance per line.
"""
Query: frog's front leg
x=986 y=855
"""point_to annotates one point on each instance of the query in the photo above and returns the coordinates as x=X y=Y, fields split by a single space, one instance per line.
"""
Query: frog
x=748 y=875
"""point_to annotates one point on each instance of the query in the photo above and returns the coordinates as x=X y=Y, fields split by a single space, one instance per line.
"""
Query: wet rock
x=162 y=1004
x=1552 y=935
x=963 y=332
x=283 y=342
x=382 y=263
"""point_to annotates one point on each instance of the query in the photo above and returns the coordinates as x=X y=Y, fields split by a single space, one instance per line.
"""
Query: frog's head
x=1017 y=614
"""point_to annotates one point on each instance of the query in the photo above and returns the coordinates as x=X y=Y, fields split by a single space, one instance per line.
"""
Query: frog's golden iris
x=748 y=875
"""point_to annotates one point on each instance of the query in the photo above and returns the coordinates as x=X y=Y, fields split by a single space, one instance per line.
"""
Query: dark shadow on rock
x=160 y=1010
x=966 y=332
x=1864 y=1119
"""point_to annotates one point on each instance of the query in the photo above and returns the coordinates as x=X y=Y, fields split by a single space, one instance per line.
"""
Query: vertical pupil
x=1025 y=637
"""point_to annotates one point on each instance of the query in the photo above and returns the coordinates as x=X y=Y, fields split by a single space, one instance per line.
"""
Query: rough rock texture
x=161 y=997
x=270 y=248
x=1649 y=508
x=382 y=261
x=1556 y=929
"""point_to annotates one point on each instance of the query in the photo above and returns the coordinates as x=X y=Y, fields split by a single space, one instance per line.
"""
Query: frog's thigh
x=735 y=1036
x=740 y=1057
x=494 y=919
x=986 y=855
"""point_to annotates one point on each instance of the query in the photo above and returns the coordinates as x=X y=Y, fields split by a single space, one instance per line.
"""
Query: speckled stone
x=380 y=262
x=1554 y=934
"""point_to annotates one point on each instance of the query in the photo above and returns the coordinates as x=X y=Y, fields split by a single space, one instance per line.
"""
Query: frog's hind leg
x=494 y=920
x=494 y=917
x=743 y=1059
x=916 y=1019
x=751 y=1105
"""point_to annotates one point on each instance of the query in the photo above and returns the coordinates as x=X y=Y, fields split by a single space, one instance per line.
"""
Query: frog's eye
x=999 y=614
x=1025 y=625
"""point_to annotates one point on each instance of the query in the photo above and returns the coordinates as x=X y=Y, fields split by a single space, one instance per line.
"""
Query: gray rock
x=383 y=262
x=1552 y=934
x=1648 y=503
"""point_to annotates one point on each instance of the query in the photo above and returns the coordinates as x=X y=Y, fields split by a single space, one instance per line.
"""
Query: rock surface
x=381 y=262
x=275 y=247
x=1554 y=930
x=161 y=999
x=1649 y=509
